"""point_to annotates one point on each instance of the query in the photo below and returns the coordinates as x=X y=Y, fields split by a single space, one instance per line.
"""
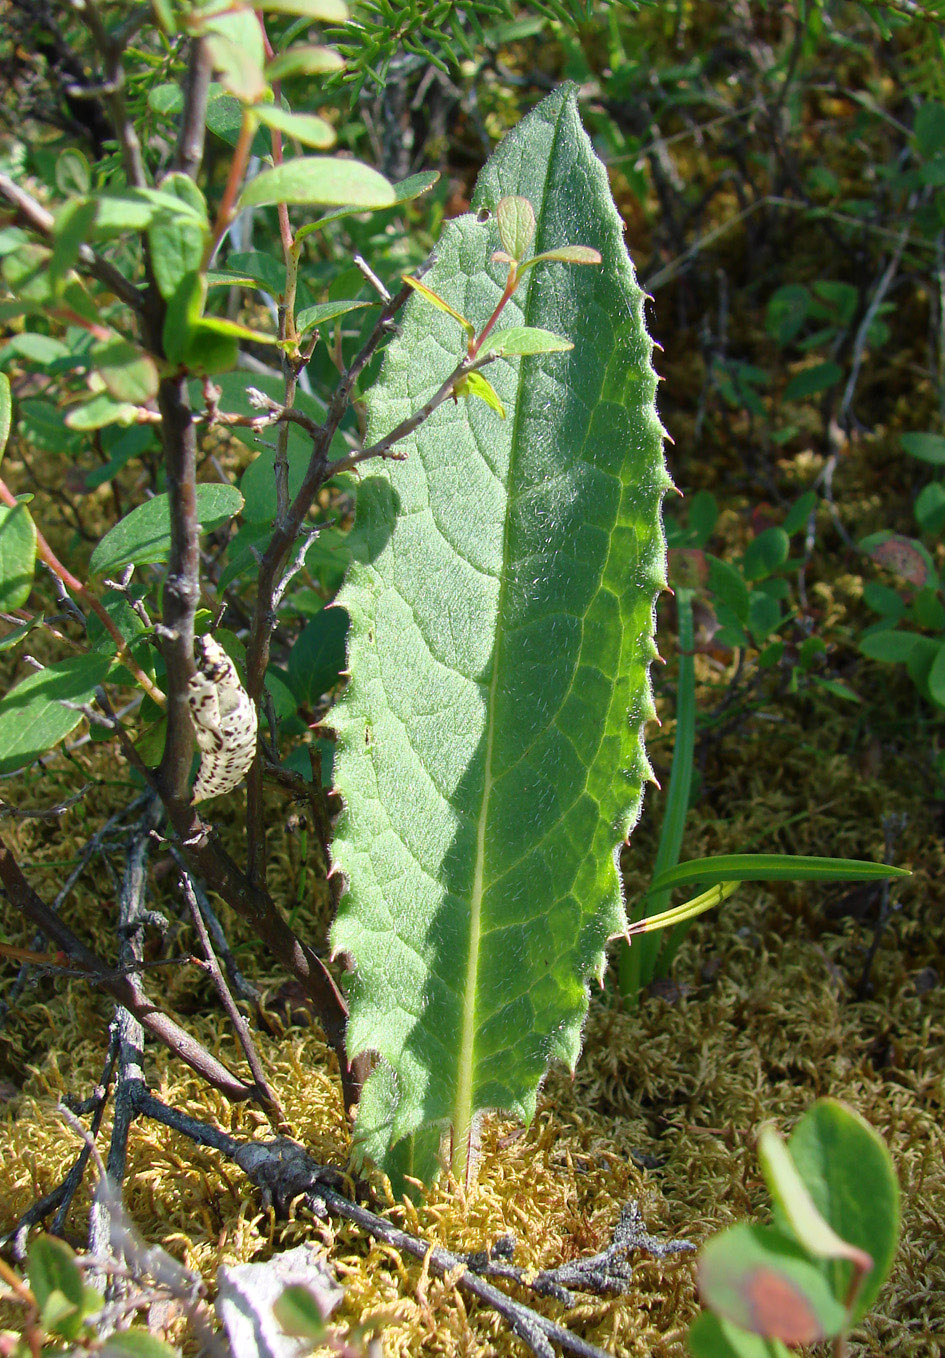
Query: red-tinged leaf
x=898 y=554
x=780 y=1309
x=762 y=1280
x=515 y=218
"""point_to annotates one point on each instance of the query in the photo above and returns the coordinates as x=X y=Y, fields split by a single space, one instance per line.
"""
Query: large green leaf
x=490 y=749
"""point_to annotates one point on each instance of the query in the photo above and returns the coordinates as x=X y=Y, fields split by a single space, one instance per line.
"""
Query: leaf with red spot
x=903 y=556
x=761 y=1280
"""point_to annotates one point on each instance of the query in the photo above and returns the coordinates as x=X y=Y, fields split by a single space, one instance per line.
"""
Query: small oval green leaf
x=319 y=179
x=307 y=128
x=926 y=447
x=100 y=411
x=73 y=173
x=790 y=1194
x=515 y=218
x=812 y=381
x=235 y=43
x=729 y=587
x=521 y=340
x=310 y=317
x=297 y=61
x=129 y=374
x=143 y=537
x=32 y=716
x=39 y=350
x=766 y=553
x=51 y=1263
x=892 y=647
x=17 y=556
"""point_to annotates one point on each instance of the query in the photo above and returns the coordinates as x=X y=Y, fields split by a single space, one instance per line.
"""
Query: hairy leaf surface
x=490 y=749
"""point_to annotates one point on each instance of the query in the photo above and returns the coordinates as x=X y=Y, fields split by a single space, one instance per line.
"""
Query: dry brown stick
x=128 y=1030
x=181 y=586
x=253 y=904
x=188 y=155
x=111 y=47
x=265 y=1093
x=122 y=988
x=59 y=1199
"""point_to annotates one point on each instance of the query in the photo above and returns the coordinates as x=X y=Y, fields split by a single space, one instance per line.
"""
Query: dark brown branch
x=35 y=216
x=181 y=586
x=122 y=988
x=238 y=982
x=128 y=1030
x=264 y=1091
x=190 y=140
x=111 y=47
x=384 y=447
x=254 y=905
x=317 y=473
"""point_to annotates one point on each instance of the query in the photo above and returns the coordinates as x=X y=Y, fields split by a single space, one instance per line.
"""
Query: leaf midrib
x=462 y=1118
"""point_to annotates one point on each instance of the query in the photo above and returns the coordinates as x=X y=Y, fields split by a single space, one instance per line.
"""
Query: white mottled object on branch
x=224 y=722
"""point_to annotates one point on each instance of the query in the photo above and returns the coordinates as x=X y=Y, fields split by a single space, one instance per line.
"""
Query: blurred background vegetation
x=781 y=170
